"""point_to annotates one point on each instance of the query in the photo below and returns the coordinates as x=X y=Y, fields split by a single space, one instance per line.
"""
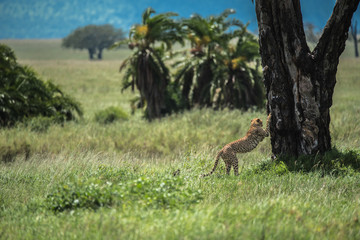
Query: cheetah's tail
x=215 y=165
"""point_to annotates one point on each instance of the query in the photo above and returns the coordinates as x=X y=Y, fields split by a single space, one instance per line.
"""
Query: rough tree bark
x=300 y=83
x=151 y=85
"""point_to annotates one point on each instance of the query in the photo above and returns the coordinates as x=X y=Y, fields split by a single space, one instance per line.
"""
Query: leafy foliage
x=23 y=95
x=165 y=192
x=94 y=38
x=90 y=194
x=110 y=115
x=219 y=73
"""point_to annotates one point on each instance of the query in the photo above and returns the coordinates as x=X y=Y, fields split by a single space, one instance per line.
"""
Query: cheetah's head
x=256 y=122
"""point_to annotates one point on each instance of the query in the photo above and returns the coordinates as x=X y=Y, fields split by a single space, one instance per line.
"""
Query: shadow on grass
x=333 y=162
x=9 y=153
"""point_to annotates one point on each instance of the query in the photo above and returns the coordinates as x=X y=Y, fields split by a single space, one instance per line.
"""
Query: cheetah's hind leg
x=236 y=166
x=228 y=168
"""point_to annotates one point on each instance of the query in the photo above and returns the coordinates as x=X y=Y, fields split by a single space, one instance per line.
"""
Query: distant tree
x=23 y=95
x=310 y=34
x=145 y=68
x=353 y=31
x=94 y=38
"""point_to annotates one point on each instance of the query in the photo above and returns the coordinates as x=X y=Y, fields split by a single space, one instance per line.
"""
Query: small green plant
x=90 y=194
x=110 y=115
x=165 y=192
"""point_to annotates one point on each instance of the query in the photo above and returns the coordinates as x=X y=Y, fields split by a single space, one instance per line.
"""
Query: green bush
x=110 y=115
x=165 y=192
x=23 y=95
x=90 y=194
x=274 y=167
x=162 y=192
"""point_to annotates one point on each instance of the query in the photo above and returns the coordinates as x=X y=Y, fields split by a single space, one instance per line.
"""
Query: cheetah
x=252 y=138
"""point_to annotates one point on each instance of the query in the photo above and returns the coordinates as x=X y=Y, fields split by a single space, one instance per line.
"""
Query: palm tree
x=238 y=83
x=217 y=73
x=145 y=68
x=205 y=35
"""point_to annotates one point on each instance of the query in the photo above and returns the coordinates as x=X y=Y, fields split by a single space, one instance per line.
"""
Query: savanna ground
x=85 y=180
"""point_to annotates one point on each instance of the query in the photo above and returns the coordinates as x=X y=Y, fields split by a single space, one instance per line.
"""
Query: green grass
x=116 y=180
x=50 y=49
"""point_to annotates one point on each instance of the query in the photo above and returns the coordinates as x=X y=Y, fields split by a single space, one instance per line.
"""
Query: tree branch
x=332 y=41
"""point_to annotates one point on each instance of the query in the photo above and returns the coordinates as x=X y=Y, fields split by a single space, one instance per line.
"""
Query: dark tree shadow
x=333 y=162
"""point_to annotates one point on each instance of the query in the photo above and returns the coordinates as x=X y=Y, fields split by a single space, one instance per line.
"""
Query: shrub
x=163 y=192
x=23 y=95
x=166 y=192
x=275 y=167
x=90 y=194
x=110 y=115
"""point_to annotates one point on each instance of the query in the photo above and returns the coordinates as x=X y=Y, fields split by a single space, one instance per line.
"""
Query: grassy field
x=85 y=180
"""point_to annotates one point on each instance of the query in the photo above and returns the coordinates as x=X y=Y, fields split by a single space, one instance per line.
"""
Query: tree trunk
x=152 y=86
x=299 y=83
x=354 y=35
x=99 y=56
x=91 y=53
x=201 y=92
x=185 y=92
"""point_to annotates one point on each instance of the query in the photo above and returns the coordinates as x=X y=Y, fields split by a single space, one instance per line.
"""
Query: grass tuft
x=9 y=153
x=110 y=115
x=164 y=192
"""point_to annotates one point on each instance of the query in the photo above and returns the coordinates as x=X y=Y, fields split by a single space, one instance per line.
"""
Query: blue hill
x=57 y=18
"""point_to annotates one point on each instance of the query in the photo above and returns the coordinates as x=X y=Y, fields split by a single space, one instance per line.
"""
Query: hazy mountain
x=57 y=18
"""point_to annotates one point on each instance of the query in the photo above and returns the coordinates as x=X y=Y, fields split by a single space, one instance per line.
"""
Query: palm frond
x=119 y=44
x=146 y=14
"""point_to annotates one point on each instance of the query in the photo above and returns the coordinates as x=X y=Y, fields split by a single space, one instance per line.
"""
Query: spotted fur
x=252 y=138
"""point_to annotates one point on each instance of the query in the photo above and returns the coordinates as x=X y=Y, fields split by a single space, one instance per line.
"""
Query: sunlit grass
x=51 y=49
x=268 y=204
